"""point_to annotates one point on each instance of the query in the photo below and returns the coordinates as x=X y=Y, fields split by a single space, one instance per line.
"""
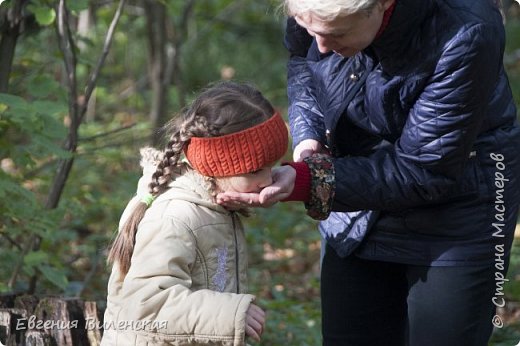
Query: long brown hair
x=223 y=108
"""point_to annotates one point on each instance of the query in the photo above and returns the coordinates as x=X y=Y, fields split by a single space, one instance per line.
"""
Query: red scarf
x=386 y=19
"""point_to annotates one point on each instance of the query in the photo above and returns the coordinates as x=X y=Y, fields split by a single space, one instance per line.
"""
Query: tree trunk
x=10 y=33
x=156 y=19
x=84 y=28
x=180 y=36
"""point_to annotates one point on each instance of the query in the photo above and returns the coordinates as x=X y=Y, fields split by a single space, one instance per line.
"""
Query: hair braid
x=163 y=173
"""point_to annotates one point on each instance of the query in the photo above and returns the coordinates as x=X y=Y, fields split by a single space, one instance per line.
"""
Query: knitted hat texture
x=241 y=152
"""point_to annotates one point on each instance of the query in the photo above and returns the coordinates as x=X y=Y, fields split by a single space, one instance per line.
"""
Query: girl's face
x=249 y=182
x=345 y=35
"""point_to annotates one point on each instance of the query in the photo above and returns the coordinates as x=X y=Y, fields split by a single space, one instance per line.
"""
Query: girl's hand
x=255 y=322
x=281 y=188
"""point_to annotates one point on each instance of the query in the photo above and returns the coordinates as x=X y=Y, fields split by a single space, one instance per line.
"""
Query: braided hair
x=221 y=109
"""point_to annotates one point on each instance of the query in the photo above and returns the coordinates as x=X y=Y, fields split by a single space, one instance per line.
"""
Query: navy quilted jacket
x=423 y=129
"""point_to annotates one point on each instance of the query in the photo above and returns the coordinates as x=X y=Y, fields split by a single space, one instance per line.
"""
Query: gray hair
x=327 y=9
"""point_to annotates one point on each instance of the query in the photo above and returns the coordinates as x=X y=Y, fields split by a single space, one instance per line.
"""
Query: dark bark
x=181 y=35
x=13 y=20
x=156 y=19
x=165 y=41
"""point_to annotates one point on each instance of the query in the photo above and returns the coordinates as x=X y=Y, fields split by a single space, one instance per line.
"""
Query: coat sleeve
x=430 y=158
x=305 y=117
x=157 y=287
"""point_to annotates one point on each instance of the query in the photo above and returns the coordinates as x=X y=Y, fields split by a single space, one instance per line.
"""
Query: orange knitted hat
x=241 y=152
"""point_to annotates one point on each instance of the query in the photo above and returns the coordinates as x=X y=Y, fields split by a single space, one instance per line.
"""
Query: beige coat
x=187 y=277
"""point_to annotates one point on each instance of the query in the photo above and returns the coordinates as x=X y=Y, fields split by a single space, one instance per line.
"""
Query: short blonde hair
x=327 y=9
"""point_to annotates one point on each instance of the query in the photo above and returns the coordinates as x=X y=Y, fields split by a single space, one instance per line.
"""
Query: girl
x=179 y=260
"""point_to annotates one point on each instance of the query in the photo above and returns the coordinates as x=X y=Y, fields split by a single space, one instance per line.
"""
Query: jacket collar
x=392 y=48
x=186 y=184
x=386 y=19
x=190 y=186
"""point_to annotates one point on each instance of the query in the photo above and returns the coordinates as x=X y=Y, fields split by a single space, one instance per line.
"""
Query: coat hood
x=186 y=185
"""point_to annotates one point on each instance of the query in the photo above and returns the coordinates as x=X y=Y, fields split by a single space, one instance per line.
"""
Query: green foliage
x=512 y=56
x=284 y=257
x=242 y=39
x=30 y=136
x=78 y=5
x=44 y=15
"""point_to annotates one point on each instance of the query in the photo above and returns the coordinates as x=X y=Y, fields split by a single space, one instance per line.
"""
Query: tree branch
x=66 y=45
x=106 y=47
x=108 y=133
x=18 y=266
x=116 y=144
x=9 y=239
x=186 y=14
x=31 y=174
x=76 y=111
x=178 y=41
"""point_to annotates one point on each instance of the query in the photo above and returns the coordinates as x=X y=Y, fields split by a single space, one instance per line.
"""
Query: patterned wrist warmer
x=323 y=184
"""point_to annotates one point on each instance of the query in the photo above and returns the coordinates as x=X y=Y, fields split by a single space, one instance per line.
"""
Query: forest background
x=85 y=83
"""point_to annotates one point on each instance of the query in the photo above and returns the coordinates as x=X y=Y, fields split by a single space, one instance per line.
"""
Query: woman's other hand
x=307 y=148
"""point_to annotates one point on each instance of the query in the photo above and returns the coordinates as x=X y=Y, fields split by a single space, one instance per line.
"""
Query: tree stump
x=48 y=321
x=37 y=338
x=9 y=321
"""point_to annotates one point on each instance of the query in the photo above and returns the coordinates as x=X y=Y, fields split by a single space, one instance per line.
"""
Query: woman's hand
x=281 y=188
x=307 y=148
x=255 y=322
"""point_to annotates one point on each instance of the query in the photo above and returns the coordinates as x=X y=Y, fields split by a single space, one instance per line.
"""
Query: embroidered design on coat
x=219 y=279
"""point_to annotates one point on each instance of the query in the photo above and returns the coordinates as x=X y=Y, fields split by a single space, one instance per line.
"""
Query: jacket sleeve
x=157 y=287
x=428 y=160
x=305 y=117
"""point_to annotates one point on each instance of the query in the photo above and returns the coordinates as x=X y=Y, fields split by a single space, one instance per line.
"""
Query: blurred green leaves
x=44 y=15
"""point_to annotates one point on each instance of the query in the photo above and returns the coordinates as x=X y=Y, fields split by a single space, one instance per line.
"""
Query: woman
x=419 y=183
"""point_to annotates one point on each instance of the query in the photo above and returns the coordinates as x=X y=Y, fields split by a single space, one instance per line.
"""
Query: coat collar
x=186 y=183
x=392 y=48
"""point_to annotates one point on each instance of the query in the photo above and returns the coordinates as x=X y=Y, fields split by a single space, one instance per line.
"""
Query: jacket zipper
x=236 y=252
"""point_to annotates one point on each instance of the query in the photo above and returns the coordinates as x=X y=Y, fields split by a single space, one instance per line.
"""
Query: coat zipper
x=236 y=252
